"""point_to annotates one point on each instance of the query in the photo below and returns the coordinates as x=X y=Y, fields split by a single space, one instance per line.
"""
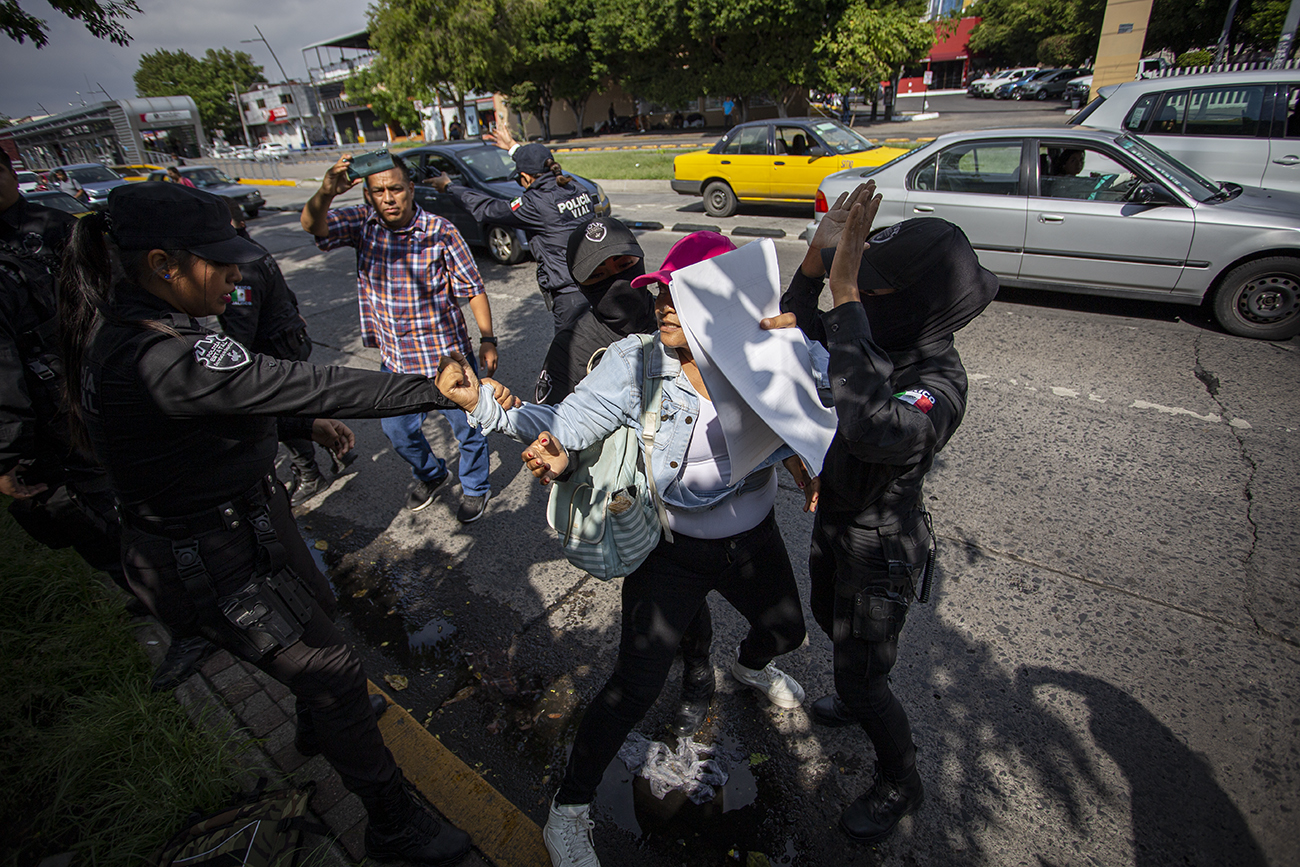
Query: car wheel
x=719 y=200
x=1042 y=95
x=251 y=213
x=1261 y=299
x=503 y=245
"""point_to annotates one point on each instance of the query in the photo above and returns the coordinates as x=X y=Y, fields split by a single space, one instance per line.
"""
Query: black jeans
x=846 y=563
x=320 y=668
x=751 y=570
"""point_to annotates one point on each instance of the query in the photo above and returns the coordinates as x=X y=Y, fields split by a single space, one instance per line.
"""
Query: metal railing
x=1172 y=71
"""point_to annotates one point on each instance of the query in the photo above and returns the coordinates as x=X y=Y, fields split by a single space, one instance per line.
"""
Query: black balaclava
x=940 y=284
x=620 y=307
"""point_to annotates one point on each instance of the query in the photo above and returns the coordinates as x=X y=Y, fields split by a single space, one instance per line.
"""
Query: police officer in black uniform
x=899 y=390
x=61 y=495
x=263 y=316
x=550 y=208
x=185 y=420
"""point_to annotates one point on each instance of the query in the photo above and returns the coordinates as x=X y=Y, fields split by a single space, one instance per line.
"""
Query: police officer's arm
x=335 y=183
x=488 y=209
x=200 y=375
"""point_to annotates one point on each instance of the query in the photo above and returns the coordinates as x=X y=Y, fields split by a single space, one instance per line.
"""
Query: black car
x=1050 y=87
x=59 y=201
x=486 y=168
x=214 y=180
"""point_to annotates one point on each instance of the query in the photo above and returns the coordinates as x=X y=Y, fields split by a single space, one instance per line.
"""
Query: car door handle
x=726 y=162
x=779 y=163
x=1051 y=218
x=923 y=209
x=1288 y=160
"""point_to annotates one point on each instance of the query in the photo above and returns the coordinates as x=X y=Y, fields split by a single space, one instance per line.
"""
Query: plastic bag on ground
x=690 y=769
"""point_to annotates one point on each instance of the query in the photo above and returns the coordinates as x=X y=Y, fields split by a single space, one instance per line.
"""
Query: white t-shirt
x=707 y=467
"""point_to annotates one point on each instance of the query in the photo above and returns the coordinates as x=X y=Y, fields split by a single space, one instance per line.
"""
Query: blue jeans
x=407 y=437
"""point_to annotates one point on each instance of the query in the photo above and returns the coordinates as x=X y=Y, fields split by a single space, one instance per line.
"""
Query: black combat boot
x=305 y=740
x=182 y=660
x=401 y=828
x=874 y=815
x=697 y=695
x=305 y=485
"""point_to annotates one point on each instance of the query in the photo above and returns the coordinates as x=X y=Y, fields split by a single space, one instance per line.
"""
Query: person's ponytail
x=84 y=286
x=554 y=168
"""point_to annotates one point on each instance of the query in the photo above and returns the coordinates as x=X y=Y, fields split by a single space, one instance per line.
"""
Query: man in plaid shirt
x=412 y=269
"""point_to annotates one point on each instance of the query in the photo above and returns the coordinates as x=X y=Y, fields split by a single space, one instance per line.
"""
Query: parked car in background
x=971 y=87
x=1079 y=88
x=985 y=86
x=1231 y=126
x=58 y=200
x=95 y=179
x=1010 y=89
x=1102 y=213
x=1051 y=86
x=267 y=151
x=1150 y=66
x=777 y=160
x=486 y=168
x=27 y=181
x=214 y=180
x=137 y=172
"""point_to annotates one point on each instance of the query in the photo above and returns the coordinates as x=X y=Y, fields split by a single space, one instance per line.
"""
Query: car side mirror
x=1151 y=193
x=816 y=151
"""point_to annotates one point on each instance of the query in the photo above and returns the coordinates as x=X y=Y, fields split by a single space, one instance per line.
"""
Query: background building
x=342 y=122
x=120 y=131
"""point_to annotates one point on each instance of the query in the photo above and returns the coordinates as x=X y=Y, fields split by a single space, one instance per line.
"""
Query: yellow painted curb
x=264 y=182
x=506 y=836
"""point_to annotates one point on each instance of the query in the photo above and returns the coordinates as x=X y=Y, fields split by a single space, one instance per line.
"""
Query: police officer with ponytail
x=185 y=422
x=551 y=206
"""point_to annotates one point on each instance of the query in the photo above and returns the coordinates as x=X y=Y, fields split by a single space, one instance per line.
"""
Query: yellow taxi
x=777 y=160
x=135 y=172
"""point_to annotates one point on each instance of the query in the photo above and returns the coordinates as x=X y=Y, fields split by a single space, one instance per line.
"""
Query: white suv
x=1230 y=126
x=984 y=87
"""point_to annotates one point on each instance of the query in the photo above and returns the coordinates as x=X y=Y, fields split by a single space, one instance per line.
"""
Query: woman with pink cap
x=724 y=535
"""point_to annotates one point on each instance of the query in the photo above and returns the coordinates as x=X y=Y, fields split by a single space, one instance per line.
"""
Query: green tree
x=1187 y=25
x=101 y=19
x=870 y=44
x=367 y=87
x=1010 y=31
x=209 y=82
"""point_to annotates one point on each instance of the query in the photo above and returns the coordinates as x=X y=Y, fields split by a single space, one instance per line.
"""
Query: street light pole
x=262 y=39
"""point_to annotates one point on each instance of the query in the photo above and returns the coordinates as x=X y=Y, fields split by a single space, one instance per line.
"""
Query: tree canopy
x=208 y=81
x=102 y=19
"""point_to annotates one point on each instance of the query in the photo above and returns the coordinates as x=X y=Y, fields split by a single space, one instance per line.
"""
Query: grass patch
x=655 y=165
x=93 y=761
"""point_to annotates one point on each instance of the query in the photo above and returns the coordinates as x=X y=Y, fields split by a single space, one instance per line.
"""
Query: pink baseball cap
x=695 y=247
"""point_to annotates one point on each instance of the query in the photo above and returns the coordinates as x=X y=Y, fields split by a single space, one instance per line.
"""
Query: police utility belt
x=272 y=609
x=878 y=612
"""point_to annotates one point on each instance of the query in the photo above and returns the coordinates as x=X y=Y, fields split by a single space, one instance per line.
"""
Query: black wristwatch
x=491 y=340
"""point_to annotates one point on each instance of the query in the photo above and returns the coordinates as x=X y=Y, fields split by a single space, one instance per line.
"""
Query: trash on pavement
x=691 y=768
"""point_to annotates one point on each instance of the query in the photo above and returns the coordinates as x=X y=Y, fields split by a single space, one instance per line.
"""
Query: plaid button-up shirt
x=408 y=284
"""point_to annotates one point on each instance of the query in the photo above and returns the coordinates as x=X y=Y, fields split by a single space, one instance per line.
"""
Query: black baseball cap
x=595 y=242
x=530 y=159
x=158 y=215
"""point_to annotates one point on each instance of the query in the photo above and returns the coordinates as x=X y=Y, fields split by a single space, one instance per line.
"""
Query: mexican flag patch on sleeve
x=515 y=203
x=917 y=397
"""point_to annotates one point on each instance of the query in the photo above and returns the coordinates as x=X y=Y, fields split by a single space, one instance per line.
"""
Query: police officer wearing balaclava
x=185 y=422
x=899 y=390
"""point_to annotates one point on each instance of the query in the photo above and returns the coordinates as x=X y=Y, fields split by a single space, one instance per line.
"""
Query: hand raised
x=848 y=254
x=833 y=223
x=336 y=180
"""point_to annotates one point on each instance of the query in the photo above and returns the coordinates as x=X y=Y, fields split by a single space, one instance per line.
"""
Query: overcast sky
x=56 y=75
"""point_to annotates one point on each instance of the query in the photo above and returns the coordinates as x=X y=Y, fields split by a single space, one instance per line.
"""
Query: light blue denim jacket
x=610 y=396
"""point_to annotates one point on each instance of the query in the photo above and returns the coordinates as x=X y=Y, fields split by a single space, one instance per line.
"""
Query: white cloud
x=58 y=75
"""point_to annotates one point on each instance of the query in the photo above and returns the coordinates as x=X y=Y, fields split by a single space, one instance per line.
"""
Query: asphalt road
x=1106 y=674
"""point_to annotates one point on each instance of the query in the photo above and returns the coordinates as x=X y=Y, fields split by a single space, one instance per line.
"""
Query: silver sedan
x=1102 y=213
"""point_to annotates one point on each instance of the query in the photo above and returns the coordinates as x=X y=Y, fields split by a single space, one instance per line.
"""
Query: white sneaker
x=778 y=687
x=567 y=836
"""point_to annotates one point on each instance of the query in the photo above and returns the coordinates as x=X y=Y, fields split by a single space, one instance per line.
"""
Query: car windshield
x=1199 y=188
x=209 y=177
x=27 y=177
x=489 y=163
x=92 y=175
x=840 y=139
x=60 y=201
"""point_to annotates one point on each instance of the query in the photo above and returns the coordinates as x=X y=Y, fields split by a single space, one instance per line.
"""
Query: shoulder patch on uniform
x=242 y=295
x=516 y=203
x=917 y=397
x=219 y=352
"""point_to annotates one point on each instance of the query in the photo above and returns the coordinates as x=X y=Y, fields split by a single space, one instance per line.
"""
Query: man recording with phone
x=413 y=269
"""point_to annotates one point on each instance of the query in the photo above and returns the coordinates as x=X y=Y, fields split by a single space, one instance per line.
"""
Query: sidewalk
x=226 y=694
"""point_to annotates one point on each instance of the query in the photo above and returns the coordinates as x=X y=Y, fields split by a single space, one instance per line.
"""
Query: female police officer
x=184 y=421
